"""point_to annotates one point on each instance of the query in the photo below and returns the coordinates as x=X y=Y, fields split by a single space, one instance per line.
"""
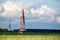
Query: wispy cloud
x=12 y=8
x=44 y=9
x=45 y=13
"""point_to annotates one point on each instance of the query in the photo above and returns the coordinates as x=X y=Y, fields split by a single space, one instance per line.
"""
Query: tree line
x=6 y=30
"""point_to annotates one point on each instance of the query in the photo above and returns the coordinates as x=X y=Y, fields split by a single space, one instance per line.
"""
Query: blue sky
x=38 y=14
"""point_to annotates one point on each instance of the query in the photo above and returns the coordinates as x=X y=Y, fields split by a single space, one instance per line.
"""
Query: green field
x=30 y=36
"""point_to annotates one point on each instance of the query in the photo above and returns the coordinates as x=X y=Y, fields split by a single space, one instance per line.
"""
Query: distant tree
x=4 y=30
x=0 y=29
x=15 y=30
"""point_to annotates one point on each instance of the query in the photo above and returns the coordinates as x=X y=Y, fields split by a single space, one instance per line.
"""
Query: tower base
x=22 y=30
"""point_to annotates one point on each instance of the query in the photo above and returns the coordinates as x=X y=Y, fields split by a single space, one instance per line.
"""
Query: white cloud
x=45 y=13
x=12 y=6
x=9 y=14
x=11 y=9
x=58 y=19
x=44 y=9
x=9 y=6
x=4 y=14
x=34 y=11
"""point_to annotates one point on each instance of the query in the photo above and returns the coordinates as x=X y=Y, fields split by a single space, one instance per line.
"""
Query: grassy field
x=30 y=37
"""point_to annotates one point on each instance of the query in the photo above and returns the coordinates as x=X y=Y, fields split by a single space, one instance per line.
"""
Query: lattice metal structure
x=22 y=22
x=9 y=25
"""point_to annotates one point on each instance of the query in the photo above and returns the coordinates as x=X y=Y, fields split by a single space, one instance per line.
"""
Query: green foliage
x=3 y=30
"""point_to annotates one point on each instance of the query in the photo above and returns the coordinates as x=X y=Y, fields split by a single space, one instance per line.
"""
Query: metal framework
x=22 y=22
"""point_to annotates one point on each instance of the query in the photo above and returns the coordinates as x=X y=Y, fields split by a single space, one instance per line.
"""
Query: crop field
x=29 y=37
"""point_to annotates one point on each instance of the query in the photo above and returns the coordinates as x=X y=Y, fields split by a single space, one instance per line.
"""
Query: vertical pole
x=22 y=22
x=9 y=25
x=23 y=17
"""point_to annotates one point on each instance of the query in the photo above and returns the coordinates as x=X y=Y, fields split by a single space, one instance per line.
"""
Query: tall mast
x=23 y=17
x=9 y=25
x=22 y=22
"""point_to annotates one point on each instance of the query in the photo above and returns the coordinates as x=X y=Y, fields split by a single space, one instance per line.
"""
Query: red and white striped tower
x=22 y=22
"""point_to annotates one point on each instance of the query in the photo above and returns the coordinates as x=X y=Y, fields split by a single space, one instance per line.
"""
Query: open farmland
x=29 y=37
